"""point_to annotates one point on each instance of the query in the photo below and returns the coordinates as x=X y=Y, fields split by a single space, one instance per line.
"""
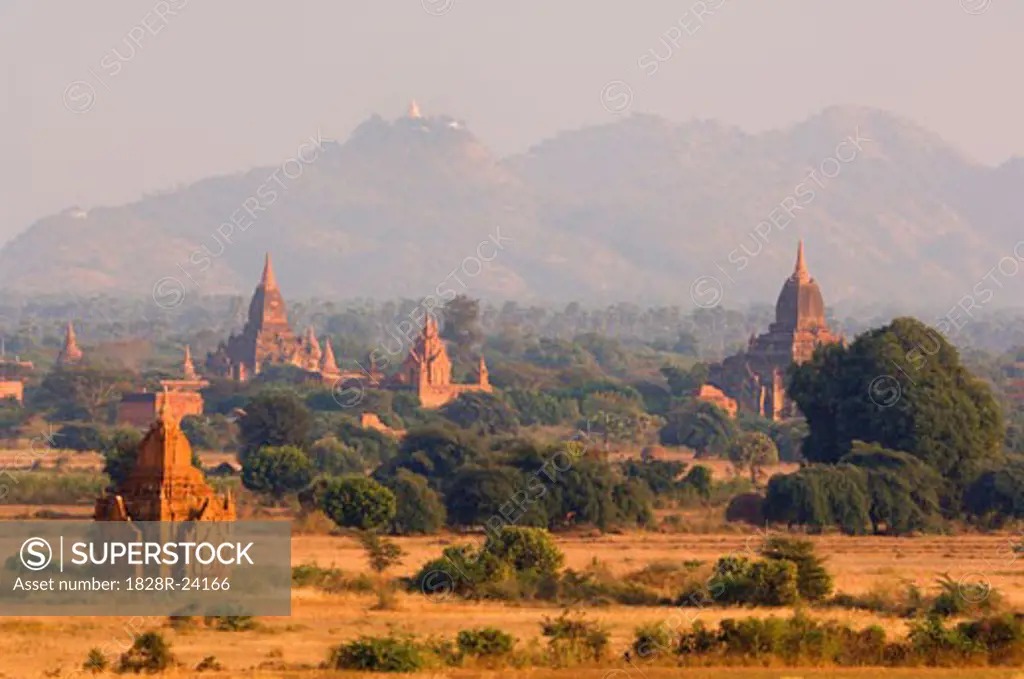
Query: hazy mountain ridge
x=633 y=209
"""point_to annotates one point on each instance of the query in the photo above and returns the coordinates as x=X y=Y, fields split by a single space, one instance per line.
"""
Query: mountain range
x=639 y=209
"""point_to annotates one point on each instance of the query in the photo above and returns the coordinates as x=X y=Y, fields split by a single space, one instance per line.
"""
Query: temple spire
x=188 y=368
x=414 y=110
x=328 y=365
x=69 y=353
x=268 y=280
x=800 y=270
x=166 y=414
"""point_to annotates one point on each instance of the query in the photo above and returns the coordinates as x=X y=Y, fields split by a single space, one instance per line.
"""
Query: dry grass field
x=294 y=646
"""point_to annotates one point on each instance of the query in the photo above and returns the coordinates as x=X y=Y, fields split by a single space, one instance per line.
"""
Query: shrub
x=572 y=638
x=700 y=479
x=526 y=549
x=746 y=507
x=330 y=579
x=653 y=639
x=813 y=582
x=800 y=641
x=597 y=586
x=150 y=653
x=379 y=654
x=956 y=598
x=96 y=661
x=231 y=623
x=741 y=581
x=485 y=642
x=514 y=563
x=209 y=664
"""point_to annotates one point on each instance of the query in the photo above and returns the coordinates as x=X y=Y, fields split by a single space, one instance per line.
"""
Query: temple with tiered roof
x=755 y=379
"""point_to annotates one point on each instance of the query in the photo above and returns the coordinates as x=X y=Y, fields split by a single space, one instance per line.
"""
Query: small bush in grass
x=96 y=661
x=740 y=581
x=330 y=580
x=379 y=654
x=653 y=640
x=598 y=586
x=485 y=642
x=963 y=597
x=801 y=641
x=573 y=639
x=181 y=623
x=231 y=623
x=209 y=664
x=150 y=653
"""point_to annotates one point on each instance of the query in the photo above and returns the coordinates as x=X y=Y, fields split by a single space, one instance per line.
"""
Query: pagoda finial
x=166 y=414
x=800 y=270
x=188 y=368
x=268 y=280
x=414 y=110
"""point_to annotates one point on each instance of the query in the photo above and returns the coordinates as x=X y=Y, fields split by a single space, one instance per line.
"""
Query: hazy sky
x=103 y=101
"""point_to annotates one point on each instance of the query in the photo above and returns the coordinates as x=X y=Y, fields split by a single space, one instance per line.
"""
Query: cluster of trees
x=927 y=447
x=438 y=474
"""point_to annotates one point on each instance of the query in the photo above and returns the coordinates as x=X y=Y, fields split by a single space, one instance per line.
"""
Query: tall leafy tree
x=699 y=425
x=752 y=452
x=275 y=417
x=904 y=387
x=462 y=327
x=483 y=412
x=277 y=470
x=357 y=502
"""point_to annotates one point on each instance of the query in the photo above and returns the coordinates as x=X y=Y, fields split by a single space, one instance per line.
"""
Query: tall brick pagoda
x=69 y=352
x=756 y=378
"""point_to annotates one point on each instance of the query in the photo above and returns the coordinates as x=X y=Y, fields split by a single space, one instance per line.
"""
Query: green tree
x=998 y=494
x=534 y=407
x=277 y=470
x=683 y=381
x=80 y=437
x=419 y=508
x=120 y=451
x=357 y=502
x=699 y=425
x=752 y=452
x=700 y=479
x=813 y=581
x=904 y=387
x=820 y=496
x=381 y=554
x=436 y=452
x=481 y=411
x=80 y=392
x=462 y=327
x=479 y=493
x=274 y=418
x=526 y=549
x=332 y=457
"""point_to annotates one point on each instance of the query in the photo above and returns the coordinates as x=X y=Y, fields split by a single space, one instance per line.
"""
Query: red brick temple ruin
x=164 y=485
